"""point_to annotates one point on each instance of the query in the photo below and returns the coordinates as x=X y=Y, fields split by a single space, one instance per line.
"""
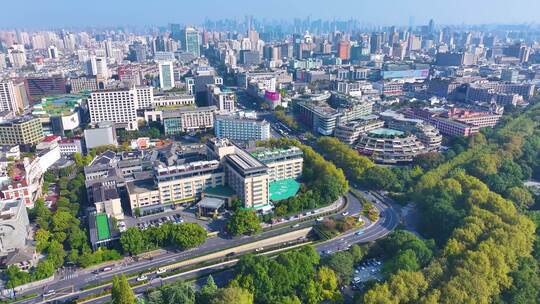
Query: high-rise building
x=37 y=87
x=118 y=106
x=83 y=84
x=191 y=41
x=25 y=130
x=108 y=48
x=7 y=97
x=398 y=50
x=376 y=43
x=248 y=57
x=245 y=174
x=166 y=75
x=282 y=163
x=97 y=66
x=188 y=119
x=160 y=44
x=176 y=32
x=69 y=41
x=17 y=58
x=102 y=72
x=21 y=94
x=240 y=128
x=53 y=52
x=510 y=75
x=3 y=63
x=223 y=98
x=137 y=52
x=344 y=50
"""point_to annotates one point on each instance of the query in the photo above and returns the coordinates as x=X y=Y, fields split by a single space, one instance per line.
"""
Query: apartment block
x=185 y=119
x=25 y=130
x=181 y=183
x=240 y=128
x=282 y=163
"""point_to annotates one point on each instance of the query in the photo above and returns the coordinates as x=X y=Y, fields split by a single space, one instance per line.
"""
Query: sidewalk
x=308 y=213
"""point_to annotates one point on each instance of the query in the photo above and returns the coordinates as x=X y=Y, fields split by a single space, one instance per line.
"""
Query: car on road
x=230 y=254
x=359 y=232
x=345 y=213
x=259 y=249
x=295 y=226
x=141 y=278
x=49 y=293
x=161 y=270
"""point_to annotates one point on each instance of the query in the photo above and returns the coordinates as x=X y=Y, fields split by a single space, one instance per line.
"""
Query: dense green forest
x=482 y=218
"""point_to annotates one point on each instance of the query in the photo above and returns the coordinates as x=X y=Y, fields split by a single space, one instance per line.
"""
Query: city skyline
x=100 y=13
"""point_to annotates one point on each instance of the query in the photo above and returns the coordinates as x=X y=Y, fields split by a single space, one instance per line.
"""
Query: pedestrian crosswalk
x=71 y=275
x=66 y=275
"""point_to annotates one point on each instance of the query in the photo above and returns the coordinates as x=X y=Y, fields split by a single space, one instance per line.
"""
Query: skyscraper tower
x=53 y=52
x=431 y=26
x=191 y=41
x=166 y=75
x=376 y=43
x=7 y=97
x=108 y=48
x=176 y=32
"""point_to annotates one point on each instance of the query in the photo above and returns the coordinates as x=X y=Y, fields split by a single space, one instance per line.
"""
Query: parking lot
x=367 y=271
x=177 y=216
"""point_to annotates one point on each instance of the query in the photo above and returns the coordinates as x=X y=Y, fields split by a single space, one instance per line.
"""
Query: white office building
x=7 y=97
x=223 y=98
x=166 y=75
x=118 y=106
x=145 y=97
x=97 y=66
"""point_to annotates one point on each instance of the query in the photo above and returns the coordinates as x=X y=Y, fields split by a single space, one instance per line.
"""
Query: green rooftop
x=176 y=107
x=58 y=105
x=283 y=189
x=102 y=224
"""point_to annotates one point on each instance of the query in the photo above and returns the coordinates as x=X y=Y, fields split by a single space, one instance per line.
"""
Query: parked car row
x=175 y=219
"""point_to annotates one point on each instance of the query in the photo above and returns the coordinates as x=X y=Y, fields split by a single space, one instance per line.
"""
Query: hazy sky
x=59 y=13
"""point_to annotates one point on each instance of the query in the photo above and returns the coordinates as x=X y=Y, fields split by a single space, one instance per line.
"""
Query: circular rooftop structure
x=390 y=146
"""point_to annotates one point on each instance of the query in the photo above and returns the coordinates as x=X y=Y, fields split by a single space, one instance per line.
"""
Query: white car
x=49 y=293
x=161 y=270
x=320 y=219
x=141 y=278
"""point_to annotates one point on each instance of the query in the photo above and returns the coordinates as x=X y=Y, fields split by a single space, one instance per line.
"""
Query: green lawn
x=102 y=223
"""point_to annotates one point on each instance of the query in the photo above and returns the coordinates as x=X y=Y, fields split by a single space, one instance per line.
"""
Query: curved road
x=388 y=221
x=77 y=280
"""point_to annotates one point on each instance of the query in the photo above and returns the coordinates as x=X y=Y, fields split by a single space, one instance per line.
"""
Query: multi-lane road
x=388 y=221
x=71 y=285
